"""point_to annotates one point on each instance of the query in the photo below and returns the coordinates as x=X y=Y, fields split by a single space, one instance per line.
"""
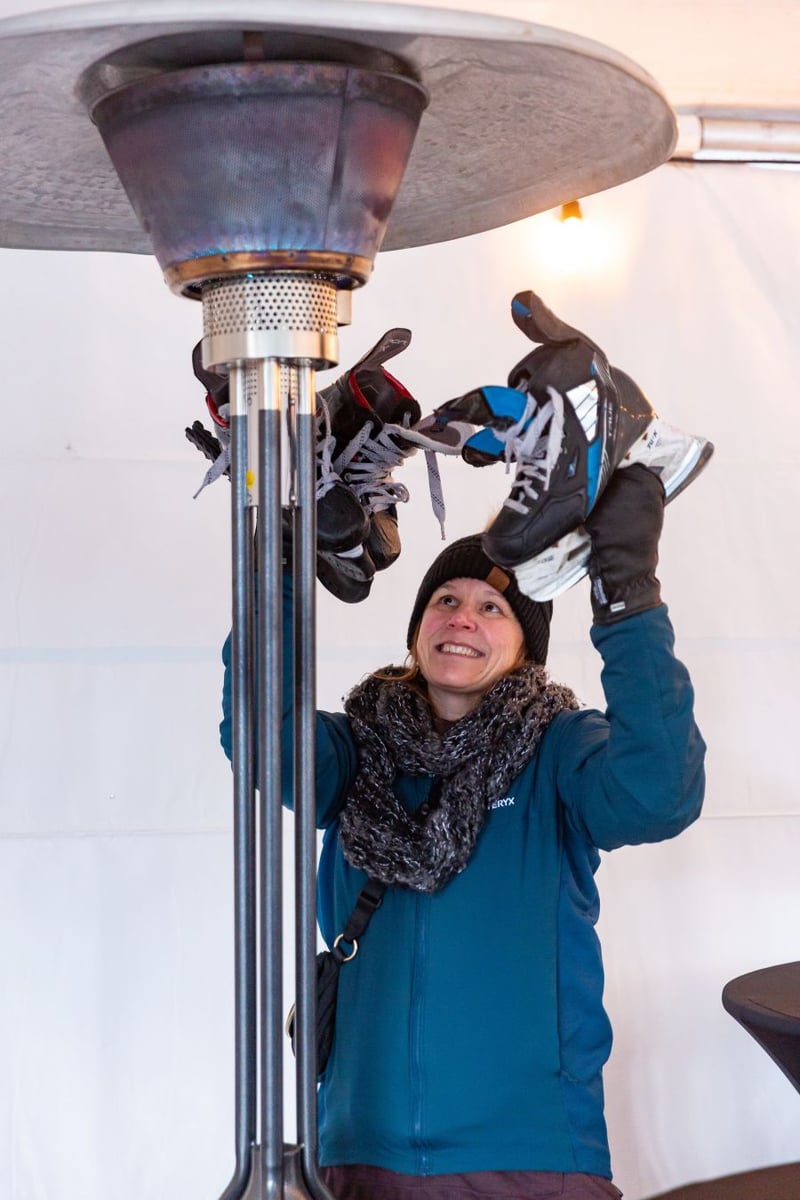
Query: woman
x=470 y=1035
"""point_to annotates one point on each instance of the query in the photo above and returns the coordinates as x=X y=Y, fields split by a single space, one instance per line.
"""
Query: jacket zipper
x=420 y=951
x=421 y=918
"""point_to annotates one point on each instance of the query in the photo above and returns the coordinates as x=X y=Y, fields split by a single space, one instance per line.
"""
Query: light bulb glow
x=573 y=246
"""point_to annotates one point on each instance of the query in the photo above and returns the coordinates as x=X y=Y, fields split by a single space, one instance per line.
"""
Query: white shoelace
x=367 y=462
x=223 y=461
x=369 y=476
x=534 y=444
x=327 y=475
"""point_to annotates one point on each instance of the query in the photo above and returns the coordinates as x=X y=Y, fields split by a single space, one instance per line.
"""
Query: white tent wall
x=116 y=1071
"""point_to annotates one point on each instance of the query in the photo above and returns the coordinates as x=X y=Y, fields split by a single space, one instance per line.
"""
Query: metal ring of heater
x=187 y=278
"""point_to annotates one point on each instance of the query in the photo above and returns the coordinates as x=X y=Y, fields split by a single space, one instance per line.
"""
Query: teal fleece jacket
x=470 y=1031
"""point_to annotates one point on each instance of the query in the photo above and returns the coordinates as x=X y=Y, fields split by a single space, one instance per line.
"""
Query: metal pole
x=242 y=662
x=263 y=329
x=304 y=783
x=269 y=669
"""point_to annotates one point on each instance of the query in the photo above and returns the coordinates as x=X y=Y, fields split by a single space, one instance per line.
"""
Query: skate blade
x=695 y=464
x=677 y=458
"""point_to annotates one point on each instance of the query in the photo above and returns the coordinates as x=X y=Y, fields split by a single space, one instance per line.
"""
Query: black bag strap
x=369 y=901
x=371 y=895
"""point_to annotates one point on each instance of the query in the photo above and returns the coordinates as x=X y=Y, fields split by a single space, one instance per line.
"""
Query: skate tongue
x=393 y=342
x=539 y=324
x=366 y=380
x=387 y=396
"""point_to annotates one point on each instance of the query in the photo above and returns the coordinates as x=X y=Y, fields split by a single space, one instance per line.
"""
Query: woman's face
x=468 y=638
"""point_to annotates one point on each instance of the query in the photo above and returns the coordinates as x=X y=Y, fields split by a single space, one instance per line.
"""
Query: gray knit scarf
x=476 y=760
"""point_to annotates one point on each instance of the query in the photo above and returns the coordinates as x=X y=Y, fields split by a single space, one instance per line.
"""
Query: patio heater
x=264 y=153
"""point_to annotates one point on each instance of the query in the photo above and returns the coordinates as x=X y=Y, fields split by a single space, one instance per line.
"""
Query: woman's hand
x=625 y=526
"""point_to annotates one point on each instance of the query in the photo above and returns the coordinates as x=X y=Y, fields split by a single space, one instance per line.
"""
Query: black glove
x=625 y=526
x=206 y=443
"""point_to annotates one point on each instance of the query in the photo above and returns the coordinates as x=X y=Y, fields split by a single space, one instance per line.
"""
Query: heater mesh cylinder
x=285 y=315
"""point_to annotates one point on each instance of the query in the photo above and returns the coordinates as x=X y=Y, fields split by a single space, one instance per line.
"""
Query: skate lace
x=325 y=444
x=368 y=460
x=221 y=463
x=327 y=476
x=534 y=445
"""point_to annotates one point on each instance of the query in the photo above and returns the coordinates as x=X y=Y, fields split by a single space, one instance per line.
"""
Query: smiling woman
x=468 y=638
x=470 y=631
x=478 y=793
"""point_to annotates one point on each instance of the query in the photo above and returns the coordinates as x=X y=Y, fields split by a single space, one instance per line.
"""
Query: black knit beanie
x=465 y=559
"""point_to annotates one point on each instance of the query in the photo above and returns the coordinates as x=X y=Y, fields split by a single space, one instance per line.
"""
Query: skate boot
x=568 y=427
x=376 y=424
x=341 y=522
x=363 y=403
x=347 y=576
x=676 y=457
